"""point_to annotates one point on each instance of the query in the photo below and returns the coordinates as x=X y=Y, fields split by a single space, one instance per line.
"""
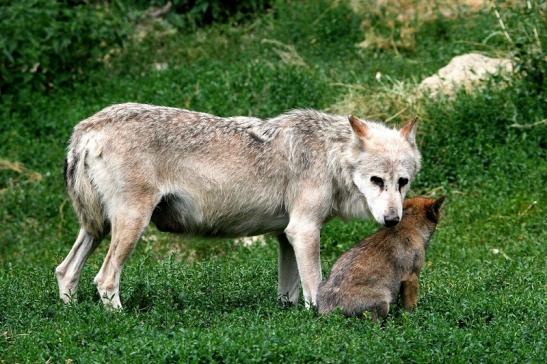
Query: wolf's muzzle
x=390 y=221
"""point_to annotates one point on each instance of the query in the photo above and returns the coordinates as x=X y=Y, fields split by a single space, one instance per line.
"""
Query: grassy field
x=483 y=296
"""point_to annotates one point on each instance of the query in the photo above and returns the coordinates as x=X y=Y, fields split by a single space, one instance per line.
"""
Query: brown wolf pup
x=371 y=275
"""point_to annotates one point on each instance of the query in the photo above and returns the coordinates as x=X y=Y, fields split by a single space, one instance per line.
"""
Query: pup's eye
x=402 y=182
x=377 y=181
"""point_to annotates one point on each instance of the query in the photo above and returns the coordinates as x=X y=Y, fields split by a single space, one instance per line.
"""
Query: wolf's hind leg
x=68 y=272
x=127 y=227
x=288 y=278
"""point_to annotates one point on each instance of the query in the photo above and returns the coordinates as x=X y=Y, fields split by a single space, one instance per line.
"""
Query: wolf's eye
x=377 y=181
x=402 y=182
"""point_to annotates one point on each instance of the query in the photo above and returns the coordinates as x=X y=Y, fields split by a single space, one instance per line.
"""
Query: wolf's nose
x=391 y=220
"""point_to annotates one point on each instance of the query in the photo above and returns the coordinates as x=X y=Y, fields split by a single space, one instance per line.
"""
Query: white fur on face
x=372 y=195
x=380 y=201
x=389 y=158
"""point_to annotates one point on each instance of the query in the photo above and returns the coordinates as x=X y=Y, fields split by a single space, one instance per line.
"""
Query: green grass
x=483 y=287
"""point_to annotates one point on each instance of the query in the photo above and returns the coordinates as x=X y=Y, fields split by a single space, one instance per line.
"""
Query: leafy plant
x=47 y=43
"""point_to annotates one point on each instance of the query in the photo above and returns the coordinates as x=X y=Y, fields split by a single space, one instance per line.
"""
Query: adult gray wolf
x=195 y=173
x=371 y=275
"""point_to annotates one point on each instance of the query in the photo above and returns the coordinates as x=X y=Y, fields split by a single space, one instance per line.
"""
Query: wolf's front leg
x=304 y=238
x=288 y=279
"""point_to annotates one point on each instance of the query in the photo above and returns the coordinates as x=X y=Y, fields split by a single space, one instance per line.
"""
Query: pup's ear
x=359 y=127
x=409 y=131
x=434 y=210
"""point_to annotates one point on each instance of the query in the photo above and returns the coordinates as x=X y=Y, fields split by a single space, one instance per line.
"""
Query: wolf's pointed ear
x=409 y=131
x=434 y=210
x=359 y=127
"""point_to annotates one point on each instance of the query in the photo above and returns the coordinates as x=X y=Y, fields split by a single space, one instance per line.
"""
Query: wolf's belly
x=178 y=214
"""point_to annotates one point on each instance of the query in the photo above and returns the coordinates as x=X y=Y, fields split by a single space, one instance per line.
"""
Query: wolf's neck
x=351 y=202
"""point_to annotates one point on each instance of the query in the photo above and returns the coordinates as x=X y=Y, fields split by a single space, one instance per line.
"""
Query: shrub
x=48 y=43
x=188 y=14
x=45 y=43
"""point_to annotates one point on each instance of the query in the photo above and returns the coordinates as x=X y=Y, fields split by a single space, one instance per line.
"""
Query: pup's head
x=385 y=162
x=422 y=212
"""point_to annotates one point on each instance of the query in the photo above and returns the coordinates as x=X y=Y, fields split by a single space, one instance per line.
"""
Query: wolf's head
x=385 y=162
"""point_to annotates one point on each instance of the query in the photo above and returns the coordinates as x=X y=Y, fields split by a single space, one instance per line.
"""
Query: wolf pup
x=371 y=275
x=195 y=173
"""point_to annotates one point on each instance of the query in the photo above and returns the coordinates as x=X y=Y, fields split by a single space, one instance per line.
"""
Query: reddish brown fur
x=372 y=274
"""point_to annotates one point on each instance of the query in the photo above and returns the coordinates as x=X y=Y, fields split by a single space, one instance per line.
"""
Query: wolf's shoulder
x=310 y=118
x=307 y=123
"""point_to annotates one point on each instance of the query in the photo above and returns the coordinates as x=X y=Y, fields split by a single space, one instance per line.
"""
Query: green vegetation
x=483 y=288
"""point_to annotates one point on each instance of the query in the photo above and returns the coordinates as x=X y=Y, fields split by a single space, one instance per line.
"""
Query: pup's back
x=368 y=277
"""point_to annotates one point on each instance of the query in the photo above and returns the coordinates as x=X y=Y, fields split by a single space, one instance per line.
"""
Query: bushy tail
x=83 y=193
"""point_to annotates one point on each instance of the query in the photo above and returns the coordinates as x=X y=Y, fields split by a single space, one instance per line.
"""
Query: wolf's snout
x=391 y=221
x=392 y=218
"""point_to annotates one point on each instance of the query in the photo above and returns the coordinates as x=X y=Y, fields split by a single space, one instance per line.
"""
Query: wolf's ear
x=409 y=131
x=359 y=127
x=434 y=210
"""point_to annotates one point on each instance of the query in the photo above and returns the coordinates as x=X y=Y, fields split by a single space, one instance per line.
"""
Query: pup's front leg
x=409 y=292
x=304 y=238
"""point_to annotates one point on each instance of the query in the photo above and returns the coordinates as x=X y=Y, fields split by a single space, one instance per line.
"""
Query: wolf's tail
x=83 y=193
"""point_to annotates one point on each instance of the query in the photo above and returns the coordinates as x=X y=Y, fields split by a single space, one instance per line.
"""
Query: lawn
x=483 y=289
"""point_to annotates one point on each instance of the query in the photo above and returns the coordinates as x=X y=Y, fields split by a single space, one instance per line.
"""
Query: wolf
x=195 y=173
x=371 y=275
